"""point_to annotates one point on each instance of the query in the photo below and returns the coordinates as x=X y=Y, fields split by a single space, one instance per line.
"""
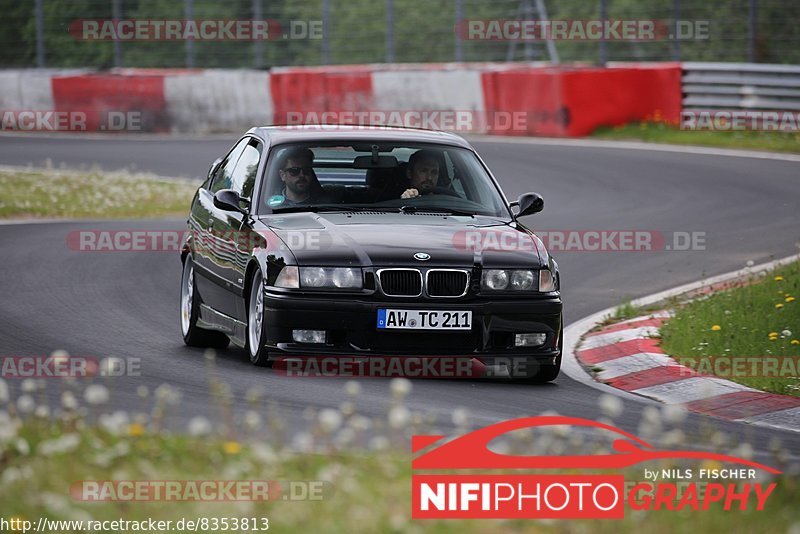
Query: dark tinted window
x=244 y=175
x=223 y=178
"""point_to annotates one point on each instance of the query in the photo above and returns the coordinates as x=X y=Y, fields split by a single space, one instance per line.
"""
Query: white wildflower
x=674 y=414
x=400 y=387
x=26 y=404
x=4 y=396
x=69 y=401
x=60 y=445
x=398 y=417
x=460 y=417
x=28 y=385
x=96 y=394
x=379 y=443
x=611 y=406
x=252 y=420
x=167 y=394
x=329 y=420
x=22 y=446
x=199 y=426
x=116 y=423
x=352 y=388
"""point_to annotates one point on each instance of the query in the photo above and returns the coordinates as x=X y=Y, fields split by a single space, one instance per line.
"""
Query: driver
x=300 y=185
x=422 y=173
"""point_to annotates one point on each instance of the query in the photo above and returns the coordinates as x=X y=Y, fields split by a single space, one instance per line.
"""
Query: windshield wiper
x=426 y=209
x=317 y=209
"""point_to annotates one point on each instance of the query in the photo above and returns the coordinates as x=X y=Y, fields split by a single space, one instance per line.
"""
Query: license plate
x=424 y=320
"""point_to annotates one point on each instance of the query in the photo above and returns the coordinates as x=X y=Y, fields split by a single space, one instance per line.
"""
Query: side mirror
x=529 y=203
x=228 y=200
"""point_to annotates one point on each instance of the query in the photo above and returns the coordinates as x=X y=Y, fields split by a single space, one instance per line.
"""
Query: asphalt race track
x=126 y=304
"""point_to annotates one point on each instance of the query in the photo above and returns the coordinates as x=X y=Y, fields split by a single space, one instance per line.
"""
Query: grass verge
x=367 y=492
x=366 y=483
x=662 y=133
x=68 y=194
x=748 y=334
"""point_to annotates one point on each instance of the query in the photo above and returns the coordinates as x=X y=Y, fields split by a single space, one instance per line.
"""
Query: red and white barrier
x=545 y=100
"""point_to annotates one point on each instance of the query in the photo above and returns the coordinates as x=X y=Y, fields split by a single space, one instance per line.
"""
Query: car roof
x=313 y=133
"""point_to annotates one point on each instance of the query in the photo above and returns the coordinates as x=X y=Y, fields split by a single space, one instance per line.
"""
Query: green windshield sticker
x=276 y=200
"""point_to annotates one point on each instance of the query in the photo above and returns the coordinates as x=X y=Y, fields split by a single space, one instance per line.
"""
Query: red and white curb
x=627 y=357
x=627 y=361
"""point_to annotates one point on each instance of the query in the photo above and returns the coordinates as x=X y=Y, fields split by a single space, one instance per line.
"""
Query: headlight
x=517 y=280
x=494 y=279
x=330 y=277
x=522 y=280
x=346 y=277
x=547 y=282
x=313 y=277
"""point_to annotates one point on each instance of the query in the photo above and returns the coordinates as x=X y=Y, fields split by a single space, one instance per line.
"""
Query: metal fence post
x=389 y=31
x=188 y=8
x=39 y=33
x=603 y=44
x=326 y=32
x=116 y=14
x=258 y=44
x=676 y=42
x=752 y=21
x=459 y=18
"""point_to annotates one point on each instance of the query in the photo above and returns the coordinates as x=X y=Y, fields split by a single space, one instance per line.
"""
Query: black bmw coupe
x=367 y=242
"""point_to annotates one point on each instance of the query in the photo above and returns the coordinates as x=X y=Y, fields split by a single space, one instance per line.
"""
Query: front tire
x=193 y=335
x=256 y=326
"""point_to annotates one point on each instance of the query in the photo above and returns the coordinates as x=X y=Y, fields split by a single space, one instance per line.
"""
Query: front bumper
x=351 y=323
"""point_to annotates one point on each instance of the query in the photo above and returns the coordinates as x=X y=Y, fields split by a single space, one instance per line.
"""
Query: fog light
x=529 y=340
x=308 y=336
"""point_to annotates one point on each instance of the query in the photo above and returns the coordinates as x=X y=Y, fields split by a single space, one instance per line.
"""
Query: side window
x=244 y=175
x=223 y=176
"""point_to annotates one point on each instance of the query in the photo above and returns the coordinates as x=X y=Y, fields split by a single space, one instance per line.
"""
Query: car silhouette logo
x=470 y=451
x=422 y=256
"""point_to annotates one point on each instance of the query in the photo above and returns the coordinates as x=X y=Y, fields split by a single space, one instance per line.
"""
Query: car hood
x=391 y=239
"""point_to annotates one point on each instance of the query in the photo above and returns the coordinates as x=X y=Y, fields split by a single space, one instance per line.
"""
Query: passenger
x=422 y=173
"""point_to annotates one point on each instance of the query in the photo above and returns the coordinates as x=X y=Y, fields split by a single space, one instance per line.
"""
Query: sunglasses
x=295 y=171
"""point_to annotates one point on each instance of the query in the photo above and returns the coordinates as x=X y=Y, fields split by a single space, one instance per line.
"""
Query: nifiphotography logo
x=473 y=495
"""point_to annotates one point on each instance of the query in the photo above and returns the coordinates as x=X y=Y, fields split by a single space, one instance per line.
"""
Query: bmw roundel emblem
x=422 y=256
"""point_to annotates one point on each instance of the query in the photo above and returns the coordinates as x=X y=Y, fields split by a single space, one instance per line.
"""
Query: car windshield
x=379 y=176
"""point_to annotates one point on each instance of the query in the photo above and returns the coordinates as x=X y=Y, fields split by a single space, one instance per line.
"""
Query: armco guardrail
x=745 y=86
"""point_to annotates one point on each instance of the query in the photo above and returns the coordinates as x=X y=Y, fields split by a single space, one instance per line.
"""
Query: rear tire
x=256 y=326
x=193 y=335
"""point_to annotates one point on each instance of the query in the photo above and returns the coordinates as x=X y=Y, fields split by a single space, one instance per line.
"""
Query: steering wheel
x=443 y=191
